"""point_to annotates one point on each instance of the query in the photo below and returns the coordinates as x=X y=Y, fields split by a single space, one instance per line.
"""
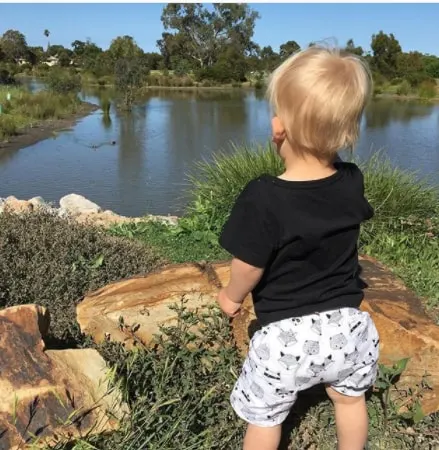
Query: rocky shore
x=77 y=207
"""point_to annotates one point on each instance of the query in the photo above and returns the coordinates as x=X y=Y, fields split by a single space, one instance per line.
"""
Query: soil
x=43 y=130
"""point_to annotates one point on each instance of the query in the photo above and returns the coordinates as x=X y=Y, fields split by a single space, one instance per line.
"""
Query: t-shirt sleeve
x=250 y=231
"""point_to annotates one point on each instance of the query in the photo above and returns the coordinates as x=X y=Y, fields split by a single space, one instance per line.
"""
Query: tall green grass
x=25 y=108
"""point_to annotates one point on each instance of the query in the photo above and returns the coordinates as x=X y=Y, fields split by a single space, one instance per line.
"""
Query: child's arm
x=250 y=234
x=243 y=278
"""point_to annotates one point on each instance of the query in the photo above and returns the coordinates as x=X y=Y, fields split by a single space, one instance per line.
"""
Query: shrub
x=416 y=78
x=377 y=90
x=428 y=89
x=62 y=83
x=378 y=79
x=6 y=77
x=44 y=105
x=8 y=127
x=396 y=81
x=259 y=85
x=403 y=88
x=54 y=262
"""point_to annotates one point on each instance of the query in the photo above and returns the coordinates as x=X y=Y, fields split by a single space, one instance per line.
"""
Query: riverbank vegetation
x=54 y=262
x=21 y=109
x=216 y=50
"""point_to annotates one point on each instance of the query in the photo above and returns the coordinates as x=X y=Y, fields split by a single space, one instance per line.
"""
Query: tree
x=269 y=58
x=65 y=57
x=351 y=48
x=14 y=46
x=385 y=50
x=130 y=67
x=411 y=67
x=47 y=34
x=288 y=49
x=153 y=60
x=201 y=34
x=172 y=48
x=55 y=50
x=431 y=64
x=129 y=74
x=124 y=47
x=86 y=54
x=35 y=55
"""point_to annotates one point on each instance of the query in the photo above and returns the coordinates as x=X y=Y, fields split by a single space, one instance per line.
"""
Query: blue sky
x=416 y=26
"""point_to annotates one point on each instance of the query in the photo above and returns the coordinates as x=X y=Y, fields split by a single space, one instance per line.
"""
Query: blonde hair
x=319 y=95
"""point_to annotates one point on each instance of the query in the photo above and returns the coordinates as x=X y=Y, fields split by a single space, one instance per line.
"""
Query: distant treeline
x=202 y=42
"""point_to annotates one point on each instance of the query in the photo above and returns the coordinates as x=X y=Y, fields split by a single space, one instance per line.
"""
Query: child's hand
x=228 y=306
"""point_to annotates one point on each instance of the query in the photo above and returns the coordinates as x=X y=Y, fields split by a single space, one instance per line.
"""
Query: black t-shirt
x=304 y=234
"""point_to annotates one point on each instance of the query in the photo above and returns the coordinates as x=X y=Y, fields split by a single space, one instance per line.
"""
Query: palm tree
x=47 y=34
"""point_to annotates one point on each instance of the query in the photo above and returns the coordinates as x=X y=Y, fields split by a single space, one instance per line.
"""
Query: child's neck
x=307 y=168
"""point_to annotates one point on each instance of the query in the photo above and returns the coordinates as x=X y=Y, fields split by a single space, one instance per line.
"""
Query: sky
x=416 y=26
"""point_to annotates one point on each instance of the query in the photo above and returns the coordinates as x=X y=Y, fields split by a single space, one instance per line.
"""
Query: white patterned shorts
x=339 y=348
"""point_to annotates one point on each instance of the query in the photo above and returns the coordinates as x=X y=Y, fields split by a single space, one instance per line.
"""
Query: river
x=158 y=143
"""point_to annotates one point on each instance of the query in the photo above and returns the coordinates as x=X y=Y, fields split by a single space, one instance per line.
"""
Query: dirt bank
x=43 y=130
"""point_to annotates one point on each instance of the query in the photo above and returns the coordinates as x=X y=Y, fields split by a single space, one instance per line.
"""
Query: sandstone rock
x=38 y=202
x=14 y=205
x=75 y=204
x=405 y=328
x=50 y=393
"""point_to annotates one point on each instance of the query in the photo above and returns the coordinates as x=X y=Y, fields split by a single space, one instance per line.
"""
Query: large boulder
x=404 y=327
x=48 y=393
x=75 y=204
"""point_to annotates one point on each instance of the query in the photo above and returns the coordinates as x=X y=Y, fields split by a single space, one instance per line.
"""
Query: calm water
x=157 y=144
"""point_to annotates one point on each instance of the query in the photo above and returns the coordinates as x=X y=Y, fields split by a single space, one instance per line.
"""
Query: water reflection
x=381 y=112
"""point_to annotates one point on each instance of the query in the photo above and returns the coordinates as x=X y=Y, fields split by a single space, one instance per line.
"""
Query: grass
x=26 y=109
x=427 y=90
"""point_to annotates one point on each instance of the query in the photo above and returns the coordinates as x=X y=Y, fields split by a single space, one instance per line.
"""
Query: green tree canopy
x=14 y=45
x=385 y=50
x=287 y=49
x=124 y=47
x=202 y=33
x=352 y=48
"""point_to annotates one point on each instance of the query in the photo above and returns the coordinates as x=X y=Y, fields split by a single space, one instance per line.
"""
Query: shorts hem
x=257 y=423
x=350 y=392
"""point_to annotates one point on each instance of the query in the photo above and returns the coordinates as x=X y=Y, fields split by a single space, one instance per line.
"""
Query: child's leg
x=351 y=420
x=262 y=438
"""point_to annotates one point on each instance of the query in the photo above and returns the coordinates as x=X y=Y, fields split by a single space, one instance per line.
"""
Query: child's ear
x=278 y=131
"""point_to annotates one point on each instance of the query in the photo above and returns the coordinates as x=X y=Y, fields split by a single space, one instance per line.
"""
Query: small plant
x=63 y=83
x=394 y=410
x=8 y=127
x=106 y=106
x=404 y=88
x=428 y=90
